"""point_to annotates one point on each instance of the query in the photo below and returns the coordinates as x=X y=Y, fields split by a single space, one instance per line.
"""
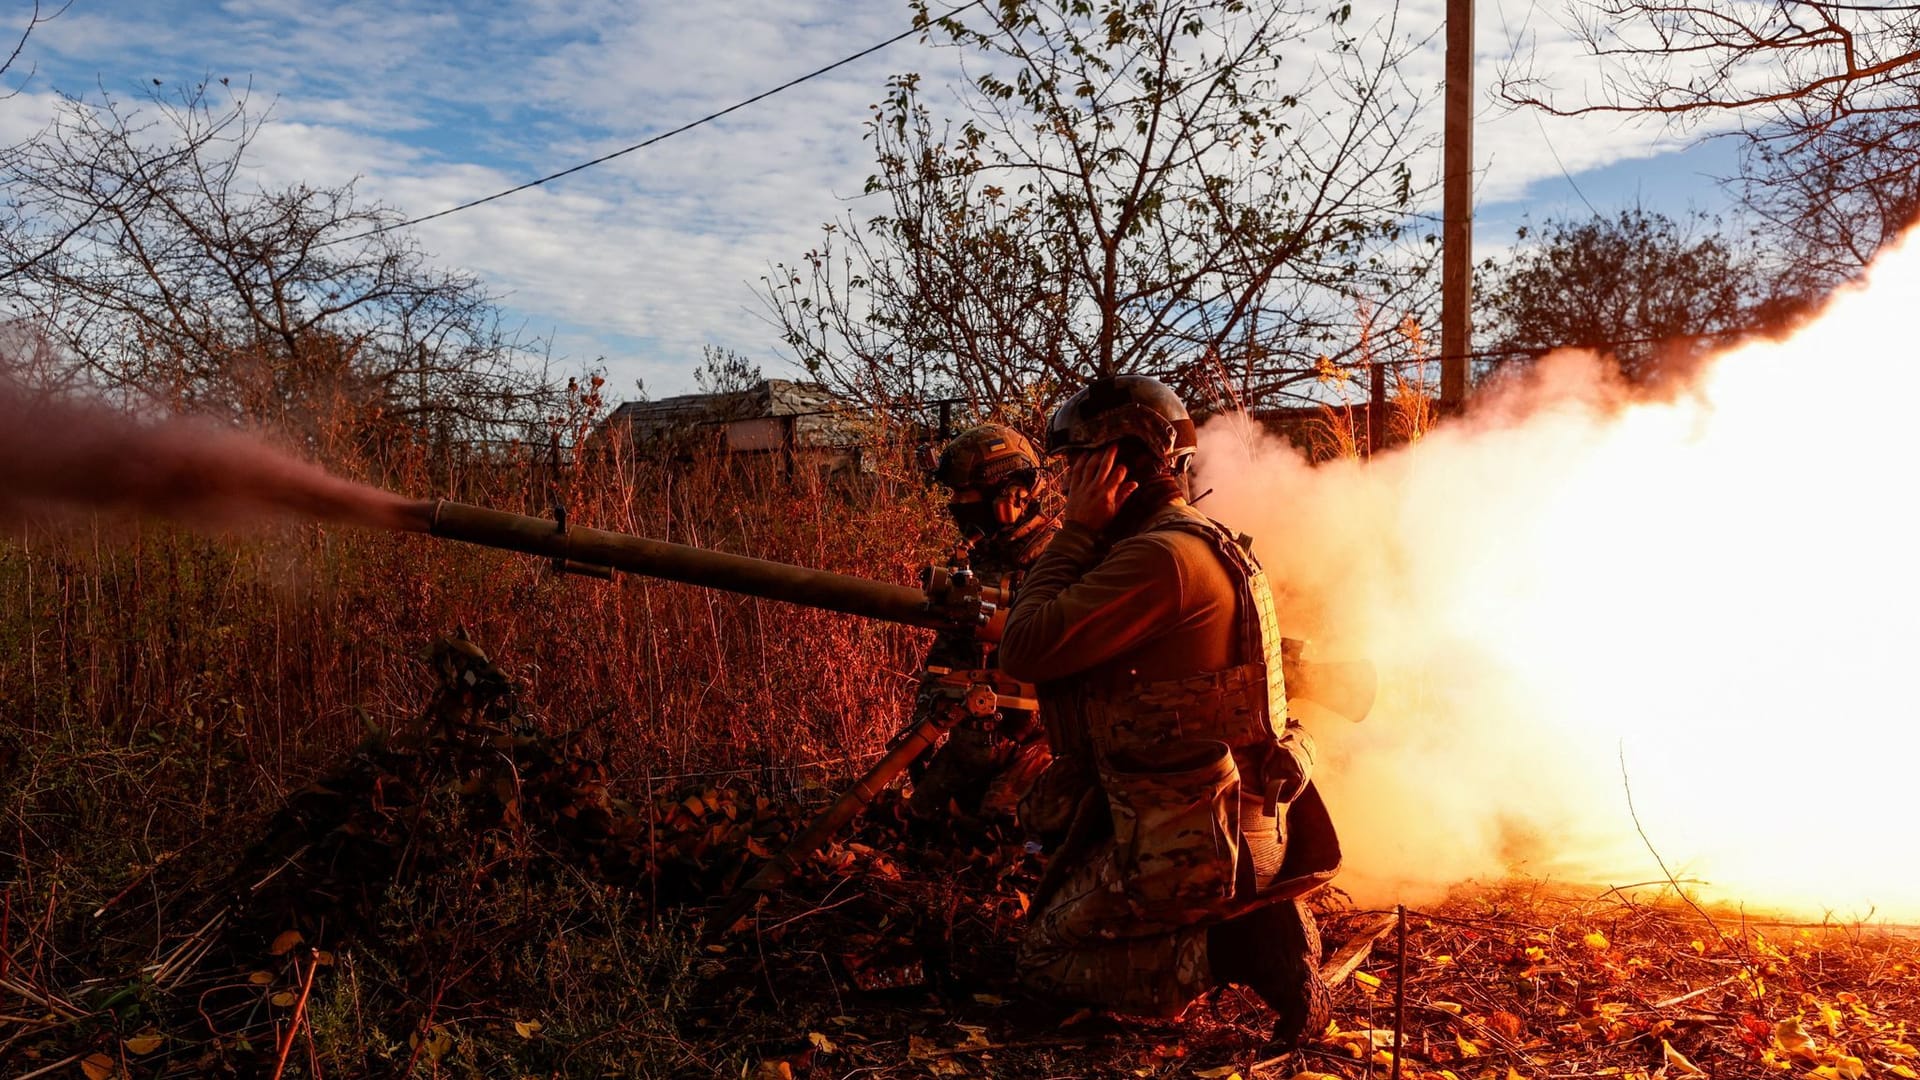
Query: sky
x=639 y=263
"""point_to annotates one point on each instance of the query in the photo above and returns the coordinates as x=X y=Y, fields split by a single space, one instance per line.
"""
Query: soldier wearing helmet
x=1179 y=805
x=1001 y=503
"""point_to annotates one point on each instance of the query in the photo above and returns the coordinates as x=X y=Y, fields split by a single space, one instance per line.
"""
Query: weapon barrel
x=679 y=562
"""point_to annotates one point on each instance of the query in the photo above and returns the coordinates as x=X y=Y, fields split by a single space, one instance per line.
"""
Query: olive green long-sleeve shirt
x=1156 y=605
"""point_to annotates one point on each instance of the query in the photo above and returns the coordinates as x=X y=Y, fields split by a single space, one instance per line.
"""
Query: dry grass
x=514 y=890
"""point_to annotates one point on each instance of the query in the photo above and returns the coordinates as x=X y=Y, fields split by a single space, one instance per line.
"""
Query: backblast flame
x=1608 y=627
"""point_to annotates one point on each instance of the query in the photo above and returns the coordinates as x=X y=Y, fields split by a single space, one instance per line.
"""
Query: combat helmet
x=1125 y=407
x=979 y=466
x=985 y=457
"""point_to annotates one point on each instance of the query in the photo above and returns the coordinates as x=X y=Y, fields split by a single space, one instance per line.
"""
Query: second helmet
x=1125 y=406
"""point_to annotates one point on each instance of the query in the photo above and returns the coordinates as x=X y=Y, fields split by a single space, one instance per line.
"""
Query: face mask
x=975 y=518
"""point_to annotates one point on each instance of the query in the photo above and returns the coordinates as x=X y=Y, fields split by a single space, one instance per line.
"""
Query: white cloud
x=430 y=106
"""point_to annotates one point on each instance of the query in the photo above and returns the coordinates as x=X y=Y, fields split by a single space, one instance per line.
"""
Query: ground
x=474 y=898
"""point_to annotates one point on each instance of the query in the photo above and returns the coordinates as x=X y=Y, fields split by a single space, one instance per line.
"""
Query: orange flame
x=1609 y=627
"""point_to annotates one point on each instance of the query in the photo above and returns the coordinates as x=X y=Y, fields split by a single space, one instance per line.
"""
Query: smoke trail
x=1598 y=617
x=62 y=451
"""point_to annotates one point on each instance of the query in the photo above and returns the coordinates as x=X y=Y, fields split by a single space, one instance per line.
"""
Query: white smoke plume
x=1607 y=627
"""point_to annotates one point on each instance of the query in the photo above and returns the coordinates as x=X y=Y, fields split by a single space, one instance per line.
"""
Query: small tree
x=1147 y=185
x=1635 y=287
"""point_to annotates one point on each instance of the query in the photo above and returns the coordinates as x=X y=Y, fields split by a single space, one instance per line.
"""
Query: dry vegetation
x=262 y=815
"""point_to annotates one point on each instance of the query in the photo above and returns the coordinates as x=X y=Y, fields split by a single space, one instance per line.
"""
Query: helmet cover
x=1124 y=406
x=985 y=457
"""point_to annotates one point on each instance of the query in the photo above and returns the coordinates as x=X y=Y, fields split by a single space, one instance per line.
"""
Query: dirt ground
x=475 y=898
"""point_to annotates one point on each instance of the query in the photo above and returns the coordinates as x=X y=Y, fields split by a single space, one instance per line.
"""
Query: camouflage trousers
x=1090 y=945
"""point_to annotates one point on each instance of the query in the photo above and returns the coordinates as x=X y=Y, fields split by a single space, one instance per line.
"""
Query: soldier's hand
x=1096 y=486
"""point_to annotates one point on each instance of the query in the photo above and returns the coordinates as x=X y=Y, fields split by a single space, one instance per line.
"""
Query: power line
x=1513 y=40
x=604 y=158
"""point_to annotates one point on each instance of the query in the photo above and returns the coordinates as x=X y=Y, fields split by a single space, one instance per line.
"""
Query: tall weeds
x=168 y=677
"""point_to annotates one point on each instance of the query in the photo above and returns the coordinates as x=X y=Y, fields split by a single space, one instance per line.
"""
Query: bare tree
x=35 y=19
x=1688 y=59
x=139 y=243
x=1135 y=186
x=1832 y=191
x=1825 y=96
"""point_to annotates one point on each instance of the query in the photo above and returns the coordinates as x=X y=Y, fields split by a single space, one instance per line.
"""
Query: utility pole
x=1456 y=208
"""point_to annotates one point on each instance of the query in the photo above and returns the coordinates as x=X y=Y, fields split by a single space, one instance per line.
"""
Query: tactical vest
x=1182 y=763
x=1244 y=706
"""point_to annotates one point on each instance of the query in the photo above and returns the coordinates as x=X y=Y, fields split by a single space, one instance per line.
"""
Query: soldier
x=1184 y=826
x=1000 y=502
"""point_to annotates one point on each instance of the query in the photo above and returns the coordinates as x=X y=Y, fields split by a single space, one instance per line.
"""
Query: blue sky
x=644 y=260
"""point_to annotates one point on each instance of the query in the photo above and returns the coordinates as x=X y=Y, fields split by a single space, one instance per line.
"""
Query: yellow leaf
x=1441 y=961
x=976 y=1037
x=1224 y=1072
x=1678 y=1062
x=1536 y=954
x=1448 y=1007
x=1512 y=1075
x=145 y=1044
x=526 y=1029
x=1900 y=1049
x=1371 y=982
x=284 y=999
x=435 y=1044
x=988 y=999
x=1699 y=946
x=1468 y=1048
x=99 y=1067
x=285 y=943
x=1903 y=1072
x=260 y=978
x=1596 y=940
x=1792 y=1039
x=919 y=1046
x=821 y=1042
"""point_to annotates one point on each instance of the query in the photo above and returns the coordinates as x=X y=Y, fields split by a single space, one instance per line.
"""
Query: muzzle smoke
x=66 y=452
x=1609 y=626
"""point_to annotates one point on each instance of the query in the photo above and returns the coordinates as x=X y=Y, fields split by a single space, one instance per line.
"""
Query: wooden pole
x=1377 y=409
x=1456 y=238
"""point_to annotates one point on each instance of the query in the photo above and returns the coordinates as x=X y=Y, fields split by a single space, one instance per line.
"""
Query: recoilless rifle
x=950 y=598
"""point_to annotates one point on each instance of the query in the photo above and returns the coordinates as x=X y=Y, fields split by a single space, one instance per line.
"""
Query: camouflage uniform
x=985 y=766
x=1156 y=686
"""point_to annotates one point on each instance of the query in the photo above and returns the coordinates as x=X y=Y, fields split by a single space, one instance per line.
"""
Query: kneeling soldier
x=1184 y=825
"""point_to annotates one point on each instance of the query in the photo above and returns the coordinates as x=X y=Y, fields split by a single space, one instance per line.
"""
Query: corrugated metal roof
x=819 y=417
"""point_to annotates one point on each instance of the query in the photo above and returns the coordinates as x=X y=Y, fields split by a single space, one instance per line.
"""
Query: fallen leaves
x=139 y=1045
